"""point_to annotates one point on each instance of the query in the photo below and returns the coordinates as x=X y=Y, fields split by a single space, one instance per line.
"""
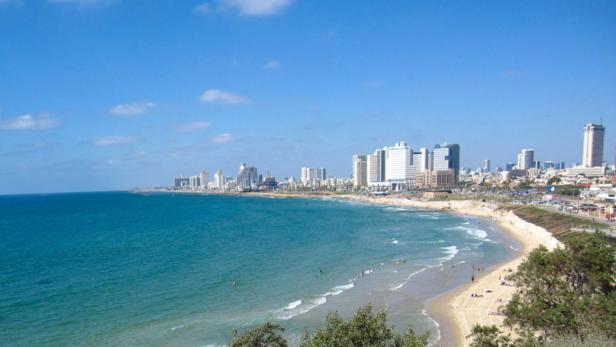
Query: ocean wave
x=293 y=305
x=298 y=307
x=394 y=241
x=474 y=232
x=408 y=278
x=396 y=287
x=450 y=253
x=438 y=326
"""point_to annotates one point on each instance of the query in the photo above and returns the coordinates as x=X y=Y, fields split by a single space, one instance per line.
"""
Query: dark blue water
x=129 y=269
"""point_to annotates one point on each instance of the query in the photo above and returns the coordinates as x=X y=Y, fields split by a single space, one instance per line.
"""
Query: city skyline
x=90 y=103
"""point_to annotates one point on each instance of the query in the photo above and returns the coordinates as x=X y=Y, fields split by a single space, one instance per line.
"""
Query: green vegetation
x=553 y=180
x=366 y=328
x=267 y=335
x=569 y=190
x=557 y=223
x=568 y=294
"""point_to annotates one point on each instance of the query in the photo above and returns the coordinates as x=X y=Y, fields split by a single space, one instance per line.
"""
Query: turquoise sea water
x=126 y=269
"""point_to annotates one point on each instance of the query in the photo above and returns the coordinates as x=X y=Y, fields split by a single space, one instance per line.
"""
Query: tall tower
x=593 y=145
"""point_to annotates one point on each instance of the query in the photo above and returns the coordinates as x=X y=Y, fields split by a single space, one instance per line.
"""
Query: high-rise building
x=309 y=174
x=526 y=159
x=375 y=164
x=486 y=166
x=181 y=182
x=195 y=182
x=593 y=145
x=445 y=157
x=203 y=179
x=321 y=173
x=247 y=178
x=398 y=163
x=509 y=166
x=219 y=180
x=360 y=171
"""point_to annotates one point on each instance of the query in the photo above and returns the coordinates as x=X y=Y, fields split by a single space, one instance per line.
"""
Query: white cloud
x=271 y=65
x=192 y=126
x=246 y=7
x=218 y=96
x=224 y=137
x=111 y=140
x=131 y=109
x=28 y=121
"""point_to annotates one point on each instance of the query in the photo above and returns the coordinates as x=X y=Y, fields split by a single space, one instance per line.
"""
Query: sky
x=116 y=94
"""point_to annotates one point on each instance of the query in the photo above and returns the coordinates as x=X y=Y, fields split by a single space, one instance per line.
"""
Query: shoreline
x=455 y=311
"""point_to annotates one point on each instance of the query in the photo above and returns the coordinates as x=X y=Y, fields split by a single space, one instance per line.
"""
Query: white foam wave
x=438 y=326
x=300 y=307
x=394 y=241
x=416 y=273
x=293 y=305
x=396 y=287
x=339 y=289
x=475 y=232
x=450 y=253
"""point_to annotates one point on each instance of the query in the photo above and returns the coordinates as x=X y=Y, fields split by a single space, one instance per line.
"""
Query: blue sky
x=98 y=95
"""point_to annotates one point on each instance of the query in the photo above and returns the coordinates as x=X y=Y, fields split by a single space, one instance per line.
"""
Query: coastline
x=455 y=311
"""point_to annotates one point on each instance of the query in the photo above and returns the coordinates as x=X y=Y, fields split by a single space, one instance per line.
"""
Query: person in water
x=234 y=283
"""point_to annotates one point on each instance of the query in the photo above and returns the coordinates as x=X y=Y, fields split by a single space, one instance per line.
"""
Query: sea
x=163 y=269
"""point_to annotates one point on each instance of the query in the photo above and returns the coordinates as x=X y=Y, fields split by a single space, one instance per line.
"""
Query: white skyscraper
x=398 y=163
x=203 y=179
x=593 y=145
x=486 y=165
x=526 y=159
x=360 y=171
x=375 y=166
x=219 y=180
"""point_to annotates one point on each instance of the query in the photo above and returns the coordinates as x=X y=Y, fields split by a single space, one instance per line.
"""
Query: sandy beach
x=457 y=311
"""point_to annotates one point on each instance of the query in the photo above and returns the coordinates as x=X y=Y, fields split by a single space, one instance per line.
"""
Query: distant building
x=203 y=178
x=509 y=166
x=436 y=179
x=446 y=157
x=526 y=159
x=398 y=163
x=181 y=182
x=195 y=182
x=375 y=164
x=360 y=171
x=486 y=166
x=419 y=164
x=593 y=145
x=219 y=180
x=247 y=178
x=310 y=174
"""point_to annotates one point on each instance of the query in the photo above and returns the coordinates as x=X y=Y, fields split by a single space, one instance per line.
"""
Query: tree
x=366 y=328
x=266 y=335
x=488 y=336
x=566 y=291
